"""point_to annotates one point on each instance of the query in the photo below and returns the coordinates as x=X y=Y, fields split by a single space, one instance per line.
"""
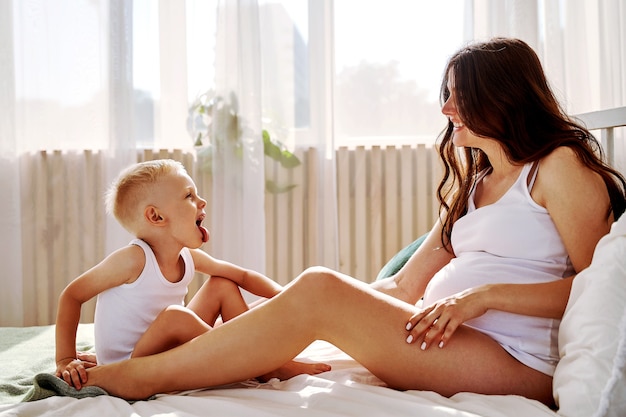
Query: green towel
x=47 y=385
x=28 y=351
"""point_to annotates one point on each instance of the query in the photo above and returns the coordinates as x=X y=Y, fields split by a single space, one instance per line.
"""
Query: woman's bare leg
x=322 y=304
x=218 y=296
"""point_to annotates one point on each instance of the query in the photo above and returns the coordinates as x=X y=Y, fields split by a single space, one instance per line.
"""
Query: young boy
x=141 y=287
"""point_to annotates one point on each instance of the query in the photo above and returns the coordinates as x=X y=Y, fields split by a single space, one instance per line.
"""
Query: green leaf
x=289 y=160
x=273 y=188
x=269 y=148
x=198 y=140
x=277 y=153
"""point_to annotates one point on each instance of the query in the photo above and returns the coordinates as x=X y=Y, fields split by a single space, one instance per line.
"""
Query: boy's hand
x=73 y=371
x=88 y=358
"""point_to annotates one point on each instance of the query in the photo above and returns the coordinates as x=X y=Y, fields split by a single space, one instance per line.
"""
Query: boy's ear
x=152 y=215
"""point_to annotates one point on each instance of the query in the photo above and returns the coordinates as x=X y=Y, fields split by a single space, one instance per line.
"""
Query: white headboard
x=606 y=121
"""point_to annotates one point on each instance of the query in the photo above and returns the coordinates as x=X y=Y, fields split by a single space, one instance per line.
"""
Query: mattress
x=347 y=390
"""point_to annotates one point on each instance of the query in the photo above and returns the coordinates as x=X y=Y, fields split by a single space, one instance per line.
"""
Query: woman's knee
x=318 y=279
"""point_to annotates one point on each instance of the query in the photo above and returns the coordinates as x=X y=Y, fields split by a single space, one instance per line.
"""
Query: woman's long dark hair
x=502 y=93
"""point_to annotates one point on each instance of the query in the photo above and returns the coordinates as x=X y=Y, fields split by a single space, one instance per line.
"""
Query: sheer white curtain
x=582 y=44
x=67 y=92
x=10 y=220
x=238 y=160
x=95 y=96
x=118 y=88
x=60 y=92
x=296 y=43
x=69 y=124
x=321 y=67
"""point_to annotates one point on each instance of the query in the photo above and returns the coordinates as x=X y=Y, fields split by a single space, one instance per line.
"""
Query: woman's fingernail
x=408 y=326
x=409 y=339
x=423 y=346
x=440 y=344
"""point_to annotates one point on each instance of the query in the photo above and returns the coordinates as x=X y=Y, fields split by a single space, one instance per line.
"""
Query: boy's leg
x=177 y=324
x=173 y=326
x=218 y=297
x=221 y=296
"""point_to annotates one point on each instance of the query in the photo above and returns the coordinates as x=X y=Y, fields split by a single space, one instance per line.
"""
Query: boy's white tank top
x=124 y=313
x=513 y=240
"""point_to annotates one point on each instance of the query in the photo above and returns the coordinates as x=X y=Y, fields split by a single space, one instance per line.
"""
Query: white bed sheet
x=347 y=390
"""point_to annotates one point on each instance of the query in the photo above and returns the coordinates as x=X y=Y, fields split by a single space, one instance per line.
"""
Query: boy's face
x=181 y=208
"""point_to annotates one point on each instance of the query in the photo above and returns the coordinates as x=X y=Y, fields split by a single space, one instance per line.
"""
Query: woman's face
x=462 y=136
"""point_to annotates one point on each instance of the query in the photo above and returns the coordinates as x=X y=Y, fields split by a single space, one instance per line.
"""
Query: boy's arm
x=249 y=280
x=123 y=265
x=68 y=315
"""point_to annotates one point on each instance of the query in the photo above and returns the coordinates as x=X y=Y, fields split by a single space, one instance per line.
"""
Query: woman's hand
x=438 y=322
x=73 y=371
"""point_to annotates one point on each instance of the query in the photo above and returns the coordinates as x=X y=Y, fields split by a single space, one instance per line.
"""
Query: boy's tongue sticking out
x=205 y=232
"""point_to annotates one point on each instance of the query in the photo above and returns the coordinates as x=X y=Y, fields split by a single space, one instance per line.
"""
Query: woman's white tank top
x=513 y=240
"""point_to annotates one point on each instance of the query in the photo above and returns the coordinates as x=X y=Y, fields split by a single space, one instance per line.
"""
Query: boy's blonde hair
x=133 y=185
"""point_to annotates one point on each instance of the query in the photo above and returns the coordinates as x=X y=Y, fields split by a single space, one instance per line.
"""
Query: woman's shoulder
x=562 y=173
x=562 y=166
x=561 y=157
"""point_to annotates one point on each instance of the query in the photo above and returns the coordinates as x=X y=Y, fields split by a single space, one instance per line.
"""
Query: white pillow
x=589 y=379
x=613 y=398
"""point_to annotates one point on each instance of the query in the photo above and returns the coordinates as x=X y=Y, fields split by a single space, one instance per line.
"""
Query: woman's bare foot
x=293 y=368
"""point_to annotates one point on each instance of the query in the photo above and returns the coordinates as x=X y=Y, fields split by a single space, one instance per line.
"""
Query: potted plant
x=212 y=114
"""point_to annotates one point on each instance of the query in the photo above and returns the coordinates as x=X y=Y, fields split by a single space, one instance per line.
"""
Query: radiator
x=385 y=199
x=62 y=199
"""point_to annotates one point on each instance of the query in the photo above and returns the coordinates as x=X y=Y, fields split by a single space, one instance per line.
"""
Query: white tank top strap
x=534 y=168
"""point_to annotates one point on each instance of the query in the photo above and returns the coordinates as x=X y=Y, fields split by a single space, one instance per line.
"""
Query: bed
x=348 y=390
x=590 y=379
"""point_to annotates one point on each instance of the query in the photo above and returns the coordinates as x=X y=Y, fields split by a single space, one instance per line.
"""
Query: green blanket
x=27 y=351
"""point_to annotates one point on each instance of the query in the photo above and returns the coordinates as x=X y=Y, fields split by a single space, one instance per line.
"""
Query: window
x=389 y=59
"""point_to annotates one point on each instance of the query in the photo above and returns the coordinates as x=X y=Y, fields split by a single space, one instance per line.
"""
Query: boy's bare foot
x=294 y=368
